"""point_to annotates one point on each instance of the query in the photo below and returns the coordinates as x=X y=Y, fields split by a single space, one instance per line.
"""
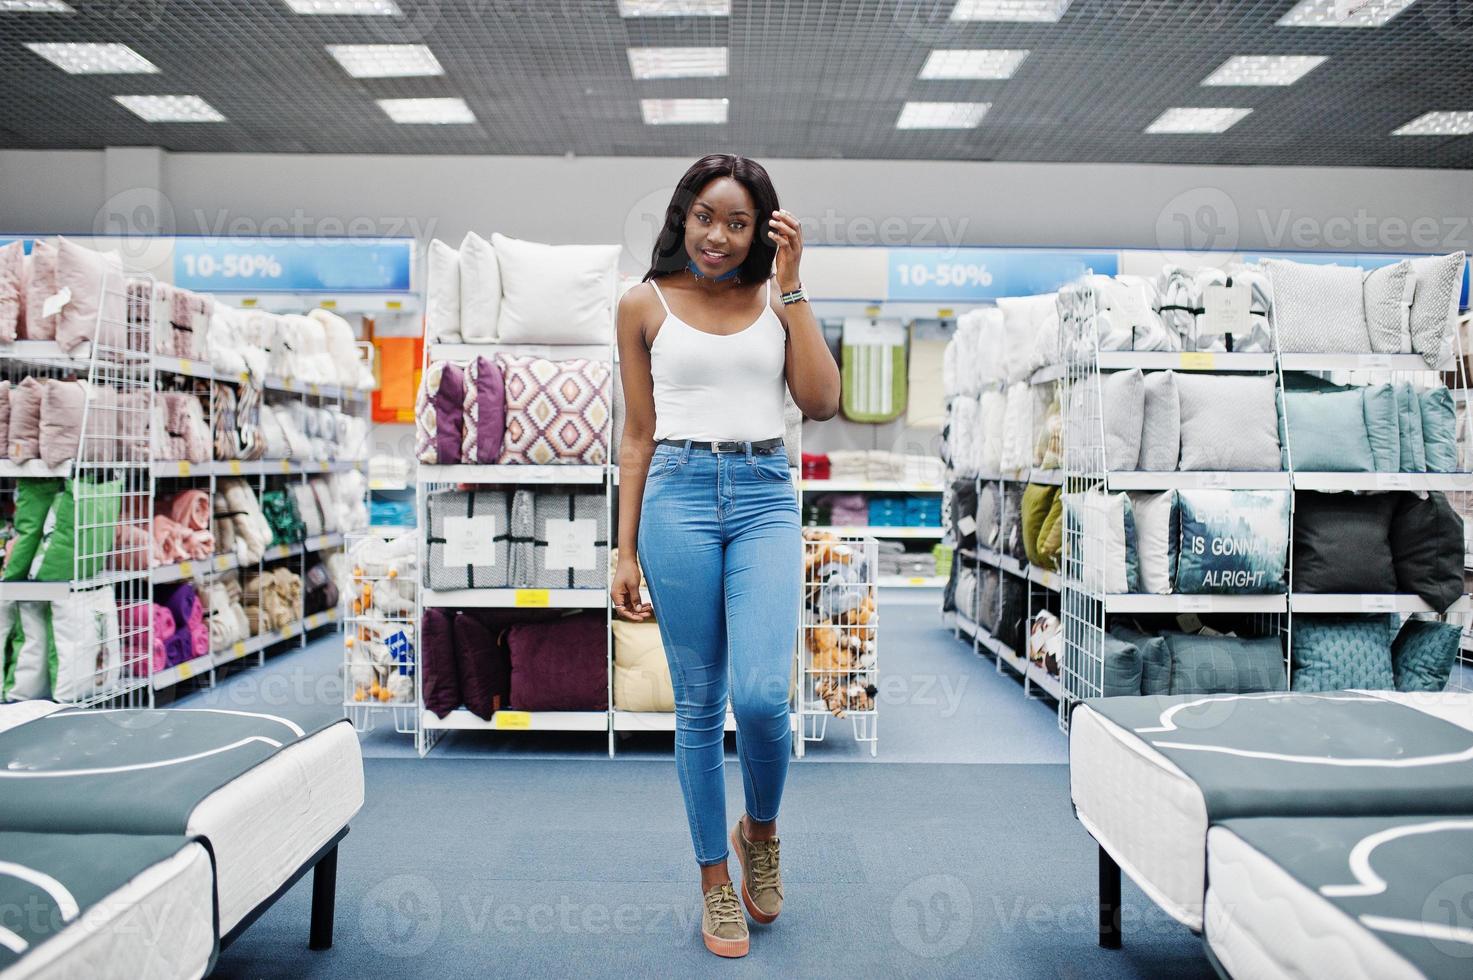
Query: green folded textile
x=873 y=371
x=33 y=499
x=280 y=511
x=84 y=531
x=1038 y=503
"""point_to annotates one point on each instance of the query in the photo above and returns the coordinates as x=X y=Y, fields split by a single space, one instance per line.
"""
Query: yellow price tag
x=239 y=648
x=393 y=304
x=184 y=467
x=184 y=366
x=186 y=671
x=512 y=720
x=222 y=562
x=245 y=377
x=917 y=581
x=314 y=389
x=945 y=313
x=286 y=466
x=248 y=301
x=329 y=304
x=186 y=569
x=872 y=310
x=532 y=597
x=235 y=467
x=1198 y=361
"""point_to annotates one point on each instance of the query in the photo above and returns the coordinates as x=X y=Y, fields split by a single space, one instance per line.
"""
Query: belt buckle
x=726 y=447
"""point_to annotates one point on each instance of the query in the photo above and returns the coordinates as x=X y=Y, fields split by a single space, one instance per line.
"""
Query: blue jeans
x=721 y=548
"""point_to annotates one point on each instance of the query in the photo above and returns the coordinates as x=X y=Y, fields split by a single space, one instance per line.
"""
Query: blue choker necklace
x=696 y=271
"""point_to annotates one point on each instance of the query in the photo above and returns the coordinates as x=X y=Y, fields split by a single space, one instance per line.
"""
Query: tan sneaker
x=762 y=883
x=723 y=926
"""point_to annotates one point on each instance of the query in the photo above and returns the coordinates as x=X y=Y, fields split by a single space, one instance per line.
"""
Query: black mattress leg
x=1109 y=901
x=324 y=896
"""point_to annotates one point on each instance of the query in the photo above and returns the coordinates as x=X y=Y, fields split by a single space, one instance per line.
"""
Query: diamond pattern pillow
x=1319 y=309
x=1338 y=653
x=556 y=411
x=1435 y=303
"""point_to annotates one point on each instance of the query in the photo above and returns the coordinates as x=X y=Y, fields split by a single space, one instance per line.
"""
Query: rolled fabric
x=199 y=545
x=190 y=508
x=168 y=540
x=130 y=548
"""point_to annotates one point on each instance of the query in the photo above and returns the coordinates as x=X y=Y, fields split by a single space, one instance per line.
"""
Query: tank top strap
x=767 y=300
x=662 y=298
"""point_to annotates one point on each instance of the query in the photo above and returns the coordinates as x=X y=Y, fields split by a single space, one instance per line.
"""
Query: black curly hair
x=669 y=254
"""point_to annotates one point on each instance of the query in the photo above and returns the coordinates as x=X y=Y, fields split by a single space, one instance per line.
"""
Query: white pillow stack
x=480 y=290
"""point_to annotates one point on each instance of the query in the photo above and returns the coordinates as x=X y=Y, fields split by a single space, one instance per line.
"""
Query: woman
x=707 y=508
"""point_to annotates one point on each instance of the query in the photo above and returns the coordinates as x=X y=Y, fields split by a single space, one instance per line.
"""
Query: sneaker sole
x=763 y=917
x=730 y=948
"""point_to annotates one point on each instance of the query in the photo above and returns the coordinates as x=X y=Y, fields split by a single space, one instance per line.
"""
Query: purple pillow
x=437 y=659
x=485 y=411
x=439 y=412
x=562 y=665
x=485 y=666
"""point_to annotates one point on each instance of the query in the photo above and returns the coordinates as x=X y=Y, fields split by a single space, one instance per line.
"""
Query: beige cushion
x=641 y=673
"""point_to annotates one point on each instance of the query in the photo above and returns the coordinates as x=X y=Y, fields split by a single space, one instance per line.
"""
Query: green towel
x=873 y=369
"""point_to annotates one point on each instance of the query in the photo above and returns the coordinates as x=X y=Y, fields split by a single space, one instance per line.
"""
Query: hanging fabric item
x=926 y=404
x=873 y=369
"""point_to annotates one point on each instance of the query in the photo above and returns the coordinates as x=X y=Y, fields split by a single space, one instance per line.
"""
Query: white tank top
x=712 y=387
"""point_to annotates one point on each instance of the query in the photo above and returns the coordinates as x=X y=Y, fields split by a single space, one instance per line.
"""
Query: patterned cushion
x=485 y=412
x=1435 y=303
x=439 y=414
x=467 y=540
x=571 y=545
x=1223 y=664
x=556 y=411
x=1338 y=653
x=1388 y=299
x=1423 y=654
x=1232 y=541
x=1318 y=308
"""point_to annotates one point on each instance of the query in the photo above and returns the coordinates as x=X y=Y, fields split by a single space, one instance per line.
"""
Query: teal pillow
x=1409 y=417
x=1232 y=541
x=1224 y=664
x=1439 y=430
x=1155 y=659
x=1122 y=669
x=1327 y=431
x=1382 y=428
x=1339 y=653
x=1423 y=654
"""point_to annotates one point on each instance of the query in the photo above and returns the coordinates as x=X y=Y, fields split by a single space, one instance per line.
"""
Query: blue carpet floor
x=514 y=853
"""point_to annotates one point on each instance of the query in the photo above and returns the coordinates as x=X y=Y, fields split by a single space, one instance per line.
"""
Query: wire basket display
x=838 y=641
x=381 y=610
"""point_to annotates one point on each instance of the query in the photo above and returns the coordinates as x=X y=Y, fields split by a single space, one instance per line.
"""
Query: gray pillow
x=1229 y=422
x=1388 y=299
x=1124 y=405
x=1382 y=428
x=1225 y=664
x=1155 y=658
x=1318 y=308
x=1161 y=432
x=1435 y=303
x=1122 y=675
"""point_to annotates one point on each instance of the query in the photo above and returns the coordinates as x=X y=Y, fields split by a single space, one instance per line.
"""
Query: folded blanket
x=130 y=548
x=252 y=535
x=189 y=507
x=169 y=540
x=133 y=622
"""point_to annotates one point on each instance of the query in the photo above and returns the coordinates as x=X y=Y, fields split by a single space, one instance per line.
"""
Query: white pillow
x=991 y=423
x=948 y=369
x=341 y=347
x=962 y=435
x=1229 y=422
x=1107 y=540
x=555 y=294
x=1017 y=439
x=1318 y=309
x=1022 y=316
x=1435 y=304
x=1161 y=431
x=1388 y=300
x=480 y=289
x=1124 y=406
x=442 y=299
x=1156 y=548
x=987 y=346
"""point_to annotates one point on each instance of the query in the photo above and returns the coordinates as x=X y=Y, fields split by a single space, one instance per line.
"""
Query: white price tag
x=1217 y=480
x=967 y=525
x=54 y=303
x=1195 y=603
x=1226 y=309
x=570 y=544
x=1394 y=481
x=470 y=540
x=1378 y=603
x=1376 y=363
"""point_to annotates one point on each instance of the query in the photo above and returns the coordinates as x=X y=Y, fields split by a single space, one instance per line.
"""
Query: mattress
x=109 y=904
x=278 y=806
x=1344 y=897
x=1193 y=761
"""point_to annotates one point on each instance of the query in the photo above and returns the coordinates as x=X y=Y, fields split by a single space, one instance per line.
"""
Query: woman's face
x=719 y=226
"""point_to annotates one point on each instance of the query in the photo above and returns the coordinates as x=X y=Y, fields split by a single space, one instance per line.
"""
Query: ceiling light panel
x=1438 y=124
x=1197 y=120
x=674 y=8
x=386 y=60
x=95 y=59
x=1264 y=69
x=974 y=63
x=941 y=115
x=436 y=112
x=170 y=108
x=662 y=112
x=1039 y=11
x=1343 y=13
x=678 y=62
x=345 y=8
x=34 y=7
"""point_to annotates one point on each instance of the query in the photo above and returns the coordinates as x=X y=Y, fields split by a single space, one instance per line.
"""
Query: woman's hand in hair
x=787 y=235
x=625 y=591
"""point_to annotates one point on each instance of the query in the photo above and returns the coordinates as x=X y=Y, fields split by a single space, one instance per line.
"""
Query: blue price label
x=975 y=274
x=286 y=265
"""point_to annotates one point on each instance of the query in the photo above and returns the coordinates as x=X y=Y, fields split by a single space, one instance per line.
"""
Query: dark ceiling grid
x=825 y=78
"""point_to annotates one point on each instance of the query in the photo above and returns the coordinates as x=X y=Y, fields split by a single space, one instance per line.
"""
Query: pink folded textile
x=189 y=507
x=133 y=620
x=130 y=549
x=200 y=545
x=168 y=540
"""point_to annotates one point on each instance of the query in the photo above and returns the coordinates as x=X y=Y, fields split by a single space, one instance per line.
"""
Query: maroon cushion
x=485 y=412
x=485 y=664
x=562 y=665
x=437 y=658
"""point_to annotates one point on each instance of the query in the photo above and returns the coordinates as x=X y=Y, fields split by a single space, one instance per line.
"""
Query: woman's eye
x=702 y=218
x=738 y=226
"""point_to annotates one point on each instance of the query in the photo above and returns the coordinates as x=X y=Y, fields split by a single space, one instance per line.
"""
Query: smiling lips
x=713 y=257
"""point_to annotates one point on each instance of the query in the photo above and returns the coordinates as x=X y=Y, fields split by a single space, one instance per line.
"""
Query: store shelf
x=870 y=486
x=57 y=591
x=883 y=532
x=1122 y=360
x=46 y=353
x=516 y=598
x=164 y=469
x=1353 y=362
x=1054 y=372
x=556 y=352
x=1328 y=602
x=511 y=473
x=35 y=468
x=966 y=625
x=1044 y=577
x=1004 y=654
x=911 y=581
x=1053 y=478
x=1197 y=480
x=461 y=719
x=188 y=368
x=181 y=672
x=1143 y=603
x=1383 y=481
x=1045 y=681
x=1012 y=565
